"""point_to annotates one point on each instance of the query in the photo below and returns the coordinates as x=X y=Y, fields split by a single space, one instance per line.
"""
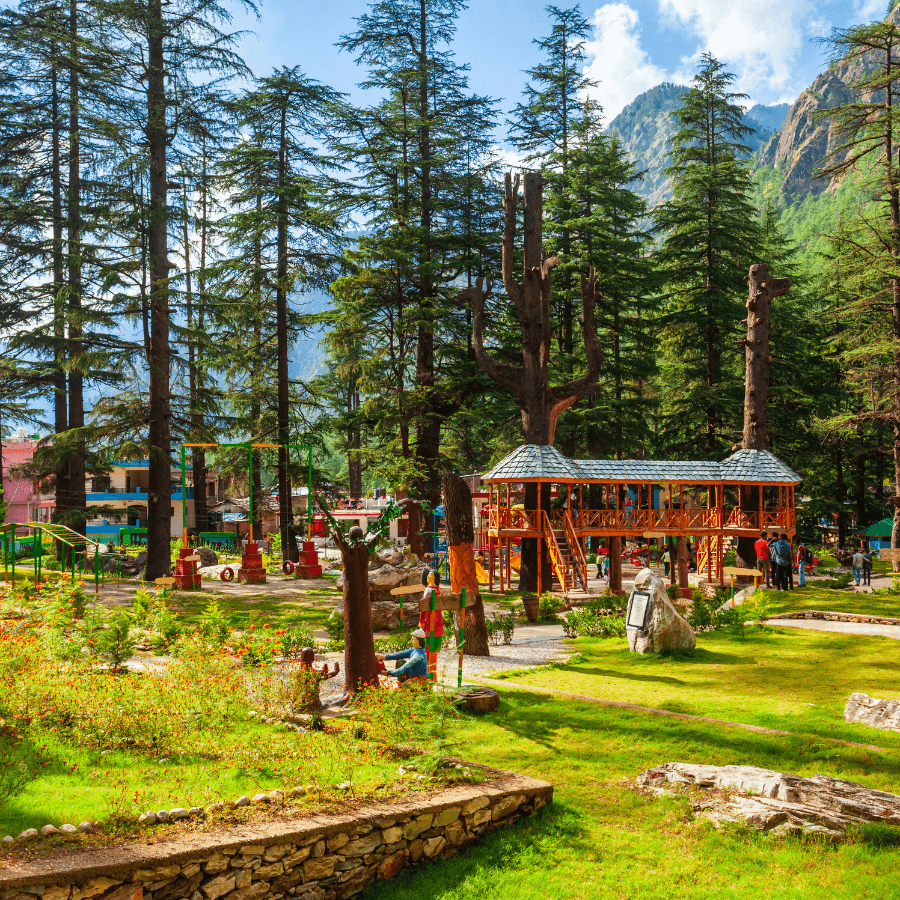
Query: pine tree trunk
x=762 y=290
x=159 y=499
x=615 y=565
x=460 y=538
x=289 y=549
x=683 y=557
x=77 y=495
x=360 y=666
x=198 y=469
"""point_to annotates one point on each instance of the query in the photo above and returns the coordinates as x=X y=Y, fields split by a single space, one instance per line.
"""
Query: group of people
x=776 y=559
x=861 y=565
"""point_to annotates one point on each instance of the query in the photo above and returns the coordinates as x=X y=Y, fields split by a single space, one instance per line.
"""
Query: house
x=20 y=494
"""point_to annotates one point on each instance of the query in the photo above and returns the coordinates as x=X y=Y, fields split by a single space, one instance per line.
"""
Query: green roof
x=880 y=529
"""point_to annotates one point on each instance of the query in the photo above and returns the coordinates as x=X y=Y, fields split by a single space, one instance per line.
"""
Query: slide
x=481 y=573
x=515 y=561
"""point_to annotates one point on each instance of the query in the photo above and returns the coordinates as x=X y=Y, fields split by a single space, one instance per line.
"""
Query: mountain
x=646 y=125
x=805 y=140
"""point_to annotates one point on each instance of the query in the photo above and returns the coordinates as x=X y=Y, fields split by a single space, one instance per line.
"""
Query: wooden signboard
x=193 y=558
x=890 y=553
x=734 y=570
x=448 y=601
x=659 y=535
x=165 y=582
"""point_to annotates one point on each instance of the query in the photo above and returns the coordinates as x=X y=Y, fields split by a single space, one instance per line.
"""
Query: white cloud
x=869 y=10
x=618 y=62
x=760 y=41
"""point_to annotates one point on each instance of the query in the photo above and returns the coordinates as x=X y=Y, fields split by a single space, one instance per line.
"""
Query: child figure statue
x=312 y=680
x=416 y=666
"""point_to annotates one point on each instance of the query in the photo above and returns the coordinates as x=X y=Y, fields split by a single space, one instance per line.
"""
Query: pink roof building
x=18 y=493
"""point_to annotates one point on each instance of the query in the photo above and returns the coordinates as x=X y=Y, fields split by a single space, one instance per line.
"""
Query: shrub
x=114 y=645
x=706 y=615
x=214 y=625
x=500 y=629
x=411 y=714
x=334 y=625
x=586 y=622
x=395 y=642
x=547 y=608
x=293 y=640
x=20 y=763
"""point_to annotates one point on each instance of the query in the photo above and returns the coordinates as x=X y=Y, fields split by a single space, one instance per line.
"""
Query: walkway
x=861 y=628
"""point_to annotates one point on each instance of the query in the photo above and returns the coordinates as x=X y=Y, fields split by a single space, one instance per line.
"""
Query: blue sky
x=636 y=44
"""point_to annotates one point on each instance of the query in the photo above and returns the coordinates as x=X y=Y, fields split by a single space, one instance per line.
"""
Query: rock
x=386 y=578
x=298 y=791
x=260 y=798
x=195 y=811
x=866 y=710
x=85 y=827
x=208 y=556
x=774 y=801
x=68 y=829
x=276 y=796
x=386 y=616
x=214 y=808
x=179 y=812
x=242 y=801
x=390 y=556
x=28 y=835
x=162 y=815
x=9 y=839
x=664 y=630
x=141 y=559
x=49 y=830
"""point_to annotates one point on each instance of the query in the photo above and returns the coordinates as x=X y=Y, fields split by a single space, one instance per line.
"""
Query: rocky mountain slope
x=646 y=125
x=806 y=139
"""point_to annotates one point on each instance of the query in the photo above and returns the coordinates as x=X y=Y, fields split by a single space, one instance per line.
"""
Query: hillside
x=646 y=125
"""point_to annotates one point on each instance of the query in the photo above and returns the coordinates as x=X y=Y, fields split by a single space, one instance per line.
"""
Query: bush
x=412 y=714
x=214 y=625
x=500 y=629
x=547 y=608
x=706 y=615
x=114 y=645
x=334 y=625
x=293 y=640
x=20 y=763
x=395 y=642
x=586 y=622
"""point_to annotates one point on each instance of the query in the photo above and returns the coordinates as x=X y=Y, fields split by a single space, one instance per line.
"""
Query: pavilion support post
x=682 y=553
x=615 y=565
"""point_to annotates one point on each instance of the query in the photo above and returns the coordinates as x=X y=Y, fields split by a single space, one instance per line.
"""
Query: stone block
x=276 y=852
x=433 y=846
x=480 y=816
x=190 y=870
x=297 y=857
x=390 y=835
x=217 y=863
x=665 y=629
x=269 y=871
x=336 y=841
x=866 y=710
x=421 y=823
x=98 y=886
x=446 y=816
x=393 y=864
x=362 y=846
x=416 y=849
x=475 y=803
x=505 y=805
x=319 y=867
x=318 y=850
x=218 y=886
x=58 y=892
x=455 y=833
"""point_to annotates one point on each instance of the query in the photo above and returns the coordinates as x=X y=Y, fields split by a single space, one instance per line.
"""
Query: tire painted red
x=287 y=567
x=227 y=574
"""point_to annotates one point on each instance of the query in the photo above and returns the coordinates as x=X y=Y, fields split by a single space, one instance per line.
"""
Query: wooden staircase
x=708 y=554
x=566 y=556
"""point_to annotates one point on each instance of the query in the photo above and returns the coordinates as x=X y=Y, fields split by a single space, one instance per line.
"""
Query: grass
x=599 y=839
x=811 y=597
x=312 y=609
x=782 y=678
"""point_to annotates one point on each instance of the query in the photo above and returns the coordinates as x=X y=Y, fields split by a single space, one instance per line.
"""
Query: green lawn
x=599 y=839
x=811 y=597
x=783 y=678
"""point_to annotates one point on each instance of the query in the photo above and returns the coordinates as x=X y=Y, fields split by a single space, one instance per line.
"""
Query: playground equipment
x=78 y=543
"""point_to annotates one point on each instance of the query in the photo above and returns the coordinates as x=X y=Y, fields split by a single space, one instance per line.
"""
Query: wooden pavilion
x=632 y=498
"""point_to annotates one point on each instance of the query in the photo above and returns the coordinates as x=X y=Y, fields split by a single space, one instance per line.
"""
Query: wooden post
x=682 y=553
x=615 y=564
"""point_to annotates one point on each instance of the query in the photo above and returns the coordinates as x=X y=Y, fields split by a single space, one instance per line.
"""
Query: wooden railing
x=579 y=563
x=556 y=558
x=637 y=521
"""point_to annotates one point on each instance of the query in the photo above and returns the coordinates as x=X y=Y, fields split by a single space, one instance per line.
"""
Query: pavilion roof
x=533 y=462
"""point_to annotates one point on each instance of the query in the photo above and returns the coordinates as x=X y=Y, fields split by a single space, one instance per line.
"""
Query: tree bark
x=360 y=666
x=159 y=499
x=540 y=404
x=460 y=538
x=758 y=360
x=683 y=556
x=77 y=494
x=615 y=565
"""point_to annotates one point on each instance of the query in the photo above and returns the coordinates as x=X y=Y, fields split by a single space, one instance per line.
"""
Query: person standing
x=867 y=566
x=857 y=565
x=801 y=564
x=763 y=563
x=667 y=559
x=782 y=557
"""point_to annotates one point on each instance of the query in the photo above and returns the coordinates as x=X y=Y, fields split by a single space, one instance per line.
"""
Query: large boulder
x=386 y=578
x=664 y=629
x=386 y=616
x=866 y=710
x=208 y=556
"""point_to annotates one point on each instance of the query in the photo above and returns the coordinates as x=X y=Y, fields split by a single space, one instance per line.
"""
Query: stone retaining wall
x=836 y=617
x=322 y=857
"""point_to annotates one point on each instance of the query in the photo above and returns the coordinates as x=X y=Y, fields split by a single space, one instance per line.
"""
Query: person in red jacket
x=763 y=563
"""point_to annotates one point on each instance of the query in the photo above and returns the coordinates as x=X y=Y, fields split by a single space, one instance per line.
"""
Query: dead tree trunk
x=763 y=289
x=460 y=538
x=541 y=405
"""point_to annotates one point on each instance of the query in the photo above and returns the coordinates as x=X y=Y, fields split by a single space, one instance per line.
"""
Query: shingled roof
x=533 y=462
